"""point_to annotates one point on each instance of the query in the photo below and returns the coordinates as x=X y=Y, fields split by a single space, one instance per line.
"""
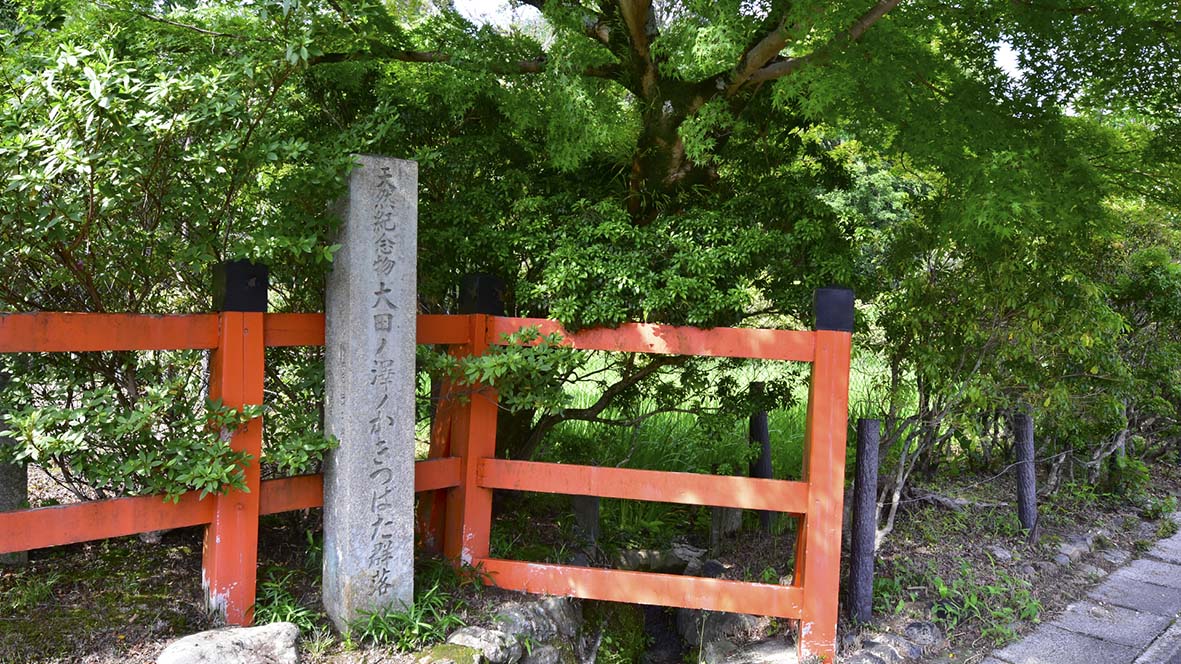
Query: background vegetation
x=1011 y=234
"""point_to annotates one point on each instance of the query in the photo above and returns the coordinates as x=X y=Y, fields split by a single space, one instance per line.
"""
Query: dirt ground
x=121 y=601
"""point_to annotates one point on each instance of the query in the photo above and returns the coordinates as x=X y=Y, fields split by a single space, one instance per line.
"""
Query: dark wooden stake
x=1026 y=477
x=862 y=547
x=14 y=489
x=760 y=435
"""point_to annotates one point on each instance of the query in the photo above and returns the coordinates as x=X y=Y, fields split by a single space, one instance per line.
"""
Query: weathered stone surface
x=1062 y=560
x=369 y=394
x=566 y=614
x=542 y=654
x=497 y=646
x=540 y=621
x=1000 y=553
x=771 y=651
x=702 y=627
x=1151 y=571
x=650 y=560
x=1139 y=596
x=1168 y=550
x=1116 y=556
x=450 y=653
x=1092 y=572
x=1112 y=623
x=1052 y=645
x=268 y=644
x=923 y=633
x=903 y=648
x=1044 y=566
x=1075 y=548
x=1165 y=650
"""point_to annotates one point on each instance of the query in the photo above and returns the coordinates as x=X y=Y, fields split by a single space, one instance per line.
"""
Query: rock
x=923 y=633
x=496 y=646
x=526 y=622
x=543 y=654
x=692 y=556
x=1116 y=556
x=268 y=644
x=716 y=652
x=540 y=621
x=713 y=569
x=450 y=653
x=700 y=628
x=902 y=648
x=566 y=613
x=1092 y=572
x=1075 y=548
x=1062 y=560
x=648 y=560
x=999 y=553
x=1028 y=570
x=1045 y=566
x=771 y=651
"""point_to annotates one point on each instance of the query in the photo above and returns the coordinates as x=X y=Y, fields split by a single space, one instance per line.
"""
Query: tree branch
x=787 y=66
x=534 y=66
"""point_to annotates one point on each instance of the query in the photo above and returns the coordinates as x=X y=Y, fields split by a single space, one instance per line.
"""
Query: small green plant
x=319 y=642
x=276 y=603
x=1159 y=508
x=1166 y=528
x=29 y=591
x=424 y=623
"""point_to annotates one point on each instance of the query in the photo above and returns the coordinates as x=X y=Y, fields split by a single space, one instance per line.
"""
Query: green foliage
x=622 y=629
x=160 y=445
x=28 y=592
x=428 y=621
x=274 y=601
x=995 y=606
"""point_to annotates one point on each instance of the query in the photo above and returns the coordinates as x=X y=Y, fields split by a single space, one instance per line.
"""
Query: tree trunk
x=862 y=541
x=1026 y=475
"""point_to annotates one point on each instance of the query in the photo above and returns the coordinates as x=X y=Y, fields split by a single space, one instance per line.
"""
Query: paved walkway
x=1134 y=617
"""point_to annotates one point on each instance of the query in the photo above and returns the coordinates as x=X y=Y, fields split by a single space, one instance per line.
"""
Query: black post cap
x=481 y=294
x=240 y=286
x=834 y=309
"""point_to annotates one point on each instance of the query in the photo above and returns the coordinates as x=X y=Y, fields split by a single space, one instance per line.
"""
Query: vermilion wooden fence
x=464 y=468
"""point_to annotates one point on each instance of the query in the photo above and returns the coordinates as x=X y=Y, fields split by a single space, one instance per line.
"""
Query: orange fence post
x=818 y=559
x=473 y=437
x=230 y=555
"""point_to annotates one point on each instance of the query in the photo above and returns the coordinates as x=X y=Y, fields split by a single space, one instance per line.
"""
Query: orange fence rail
x=464 y=470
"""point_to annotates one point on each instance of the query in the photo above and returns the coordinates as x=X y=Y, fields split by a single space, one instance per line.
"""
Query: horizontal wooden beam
x=99 y=519
x=688 y=592
x=656 y=486
x=293 y=330
x=287 y=494
x=791 y=345
x=443 y=329
x=439 y=473
x=53 y=332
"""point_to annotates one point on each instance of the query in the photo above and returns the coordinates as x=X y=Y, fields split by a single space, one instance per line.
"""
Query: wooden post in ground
x=760 y=435
x=1026 y=473
x=818 y=550
x=864 y=532
x=230 y=554
x=14 y=489
x=473 y=437
x=478 y=294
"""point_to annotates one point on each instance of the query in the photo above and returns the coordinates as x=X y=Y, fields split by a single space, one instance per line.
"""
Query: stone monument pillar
x=369 y=394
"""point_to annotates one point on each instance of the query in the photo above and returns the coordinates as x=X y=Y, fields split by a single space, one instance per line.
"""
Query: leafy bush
x=158 y=445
